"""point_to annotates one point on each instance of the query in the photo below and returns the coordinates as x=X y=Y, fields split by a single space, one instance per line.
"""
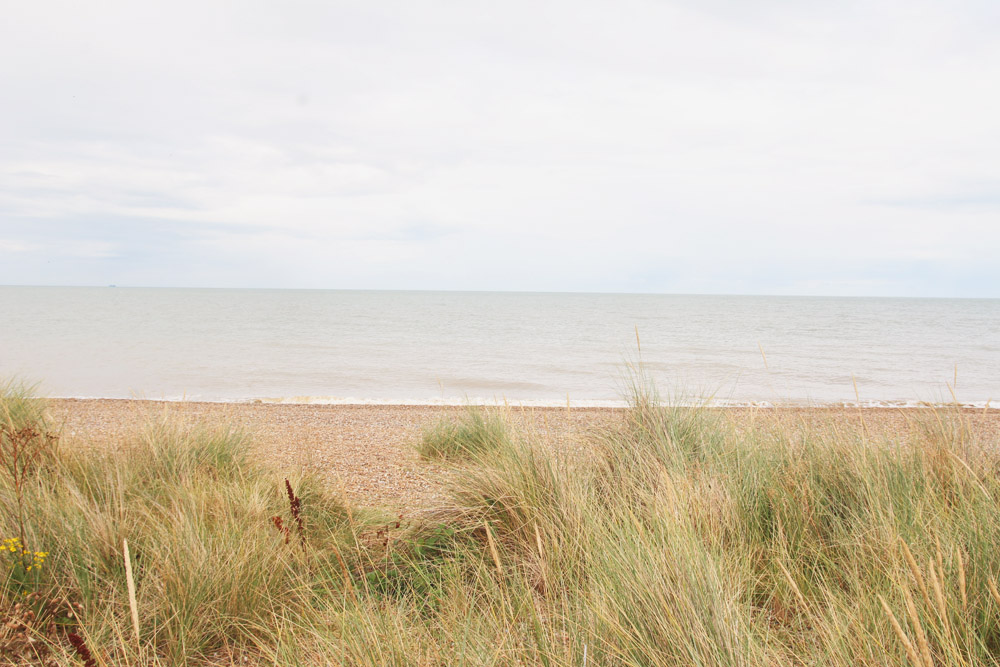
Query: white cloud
x=7 y=246
x=585 y=144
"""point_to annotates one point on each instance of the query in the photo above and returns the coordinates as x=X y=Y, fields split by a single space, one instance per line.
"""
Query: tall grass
x=212 y=573
x=478 y=431
x=680 y=540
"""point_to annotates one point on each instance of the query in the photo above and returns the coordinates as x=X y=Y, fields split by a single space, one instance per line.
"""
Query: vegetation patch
x=477 y=432
x=681 y=540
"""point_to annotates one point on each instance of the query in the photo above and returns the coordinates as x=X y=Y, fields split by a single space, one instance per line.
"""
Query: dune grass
x=682 y=540
x=479 y=430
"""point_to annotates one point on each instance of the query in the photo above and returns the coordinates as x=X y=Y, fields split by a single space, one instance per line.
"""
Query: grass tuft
x=474 y=433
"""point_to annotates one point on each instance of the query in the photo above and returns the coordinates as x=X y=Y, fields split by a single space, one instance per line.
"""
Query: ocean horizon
x=528 y=348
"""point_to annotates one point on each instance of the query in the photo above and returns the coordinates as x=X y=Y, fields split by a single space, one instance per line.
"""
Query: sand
x=368 y=451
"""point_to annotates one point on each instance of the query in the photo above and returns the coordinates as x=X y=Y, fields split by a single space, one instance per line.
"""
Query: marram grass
x=681 y=540
x=477 y=432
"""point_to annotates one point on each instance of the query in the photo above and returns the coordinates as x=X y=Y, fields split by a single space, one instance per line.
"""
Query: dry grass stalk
x=791 y=582
x=911 y=610
x=939 y=596
x=940 y=558
x=961 y=581
x=130 y=582
x=910 y=652
x=916 y=573
x=975 y=479
x=493 y=549
x=542 y=567
x=346 y=573
x=993 y=590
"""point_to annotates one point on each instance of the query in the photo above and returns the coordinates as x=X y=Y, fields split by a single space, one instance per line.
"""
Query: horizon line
x=502 y=291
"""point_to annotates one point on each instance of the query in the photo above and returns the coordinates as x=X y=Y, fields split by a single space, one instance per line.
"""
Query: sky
x=734 y=147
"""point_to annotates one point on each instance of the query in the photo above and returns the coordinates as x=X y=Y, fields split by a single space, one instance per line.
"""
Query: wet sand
x=369 y=451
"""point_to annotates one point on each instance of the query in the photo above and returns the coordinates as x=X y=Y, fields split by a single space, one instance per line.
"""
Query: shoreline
x=987 y=405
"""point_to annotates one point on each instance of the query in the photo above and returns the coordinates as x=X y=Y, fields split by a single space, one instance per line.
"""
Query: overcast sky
x=769 y=147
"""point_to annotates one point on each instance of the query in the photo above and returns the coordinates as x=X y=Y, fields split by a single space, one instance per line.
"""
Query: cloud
x=988 y=199
x=572 y=146
x=8 y=246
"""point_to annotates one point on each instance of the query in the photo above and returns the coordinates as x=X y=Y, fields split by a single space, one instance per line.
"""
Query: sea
x=412 y=347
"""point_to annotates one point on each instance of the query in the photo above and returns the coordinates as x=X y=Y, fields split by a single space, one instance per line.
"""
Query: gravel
x=368 y=451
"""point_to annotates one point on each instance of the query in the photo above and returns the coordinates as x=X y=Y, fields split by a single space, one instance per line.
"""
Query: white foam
x=439 y=401
x=453 y=401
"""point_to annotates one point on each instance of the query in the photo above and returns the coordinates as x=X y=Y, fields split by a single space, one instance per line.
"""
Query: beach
x=306 y=533
x=369 y=451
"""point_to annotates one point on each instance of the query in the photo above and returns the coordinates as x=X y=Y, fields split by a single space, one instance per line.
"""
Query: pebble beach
x=369 y=451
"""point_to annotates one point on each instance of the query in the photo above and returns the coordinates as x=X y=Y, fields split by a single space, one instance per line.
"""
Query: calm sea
x=428 y=347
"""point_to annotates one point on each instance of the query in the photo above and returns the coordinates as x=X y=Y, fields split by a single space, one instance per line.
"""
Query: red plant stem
x=295 y=506
x=81 y=649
